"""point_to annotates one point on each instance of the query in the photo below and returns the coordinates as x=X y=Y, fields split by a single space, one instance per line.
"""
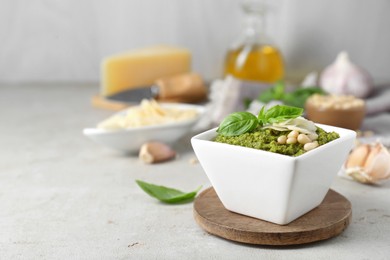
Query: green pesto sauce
x=266 y=139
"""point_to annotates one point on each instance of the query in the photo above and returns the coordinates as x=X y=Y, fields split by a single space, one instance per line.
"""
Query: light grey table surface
x=64 y=197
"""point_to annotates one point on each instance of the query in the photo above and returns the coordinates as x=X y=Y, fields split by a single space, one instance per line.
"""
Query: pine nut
x=313 y=137
x=282 y=139
x=303 y=139
x=291 y=140
x=346 y=106
x=293 y=133
x=335 y=101
x=310 y=146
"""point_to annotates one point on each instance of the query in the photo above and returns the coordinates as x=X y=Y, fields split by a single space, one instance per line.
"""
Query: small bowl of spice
x=344 y=111
x=275 y=166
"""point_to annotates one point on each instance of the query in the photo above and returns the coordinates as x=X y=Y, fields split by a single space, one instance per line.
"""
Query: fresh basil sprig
x=295 y=98
x=243 y=122
x=167 y=195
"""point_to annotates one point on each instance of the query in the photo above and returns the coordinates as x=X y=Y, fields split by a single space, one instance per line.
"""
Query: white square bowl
x=270 y=186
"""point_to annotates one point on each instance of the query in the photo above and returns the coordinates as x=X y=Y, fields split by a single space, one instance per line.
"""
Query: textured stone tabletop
x=64 y=197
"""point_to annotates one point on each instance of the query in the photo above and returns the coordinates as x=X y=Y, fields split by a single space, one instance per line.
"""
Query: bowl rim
x=344 y=133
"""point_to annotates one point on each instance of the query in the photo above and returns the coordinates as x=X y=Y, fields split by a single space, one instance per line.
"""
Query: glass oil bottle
x=253 y=57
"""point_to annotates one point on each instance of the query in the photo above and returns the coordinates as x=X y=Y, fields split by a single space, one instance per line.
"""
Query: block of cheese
x=142 y=67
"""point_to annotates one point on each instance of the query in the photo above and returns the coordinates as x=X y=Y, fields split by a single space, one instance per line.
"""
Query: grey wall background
x=57 y=40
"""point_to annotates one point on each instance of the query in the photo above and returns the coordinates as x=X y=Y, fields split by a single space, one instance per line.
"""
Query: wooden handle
x=187 y=88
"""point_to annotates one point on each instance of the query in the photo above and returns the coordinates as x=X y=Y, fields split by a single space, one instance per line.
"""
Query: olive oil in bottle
x=254 y=57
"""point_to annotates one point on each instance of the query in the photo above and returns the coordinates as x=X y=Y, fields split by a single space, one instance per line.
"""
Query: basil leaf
x=238 y=123
x=165 y=194
x=280 y=113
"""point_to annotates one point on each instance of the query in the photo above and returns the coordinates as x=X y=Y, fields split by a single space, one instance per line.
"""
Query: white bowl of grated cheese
x=129 y=129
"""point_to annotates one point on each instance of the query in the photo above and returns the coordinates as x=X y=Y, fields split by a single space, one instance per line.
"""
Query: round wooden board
x=327 y=220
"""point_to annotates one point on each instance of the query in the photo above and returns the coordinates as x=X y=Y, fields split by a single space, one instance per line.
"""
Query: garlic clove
x=343 y=77
x=359 y=175
x=154 y=152
x=378 y=163
x=358 y=156
x=369 y=163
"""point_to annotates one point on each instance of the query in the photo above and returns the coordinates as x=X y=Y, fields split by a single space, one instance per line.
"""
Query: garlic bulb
x=343 y=77
x=368 y=163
